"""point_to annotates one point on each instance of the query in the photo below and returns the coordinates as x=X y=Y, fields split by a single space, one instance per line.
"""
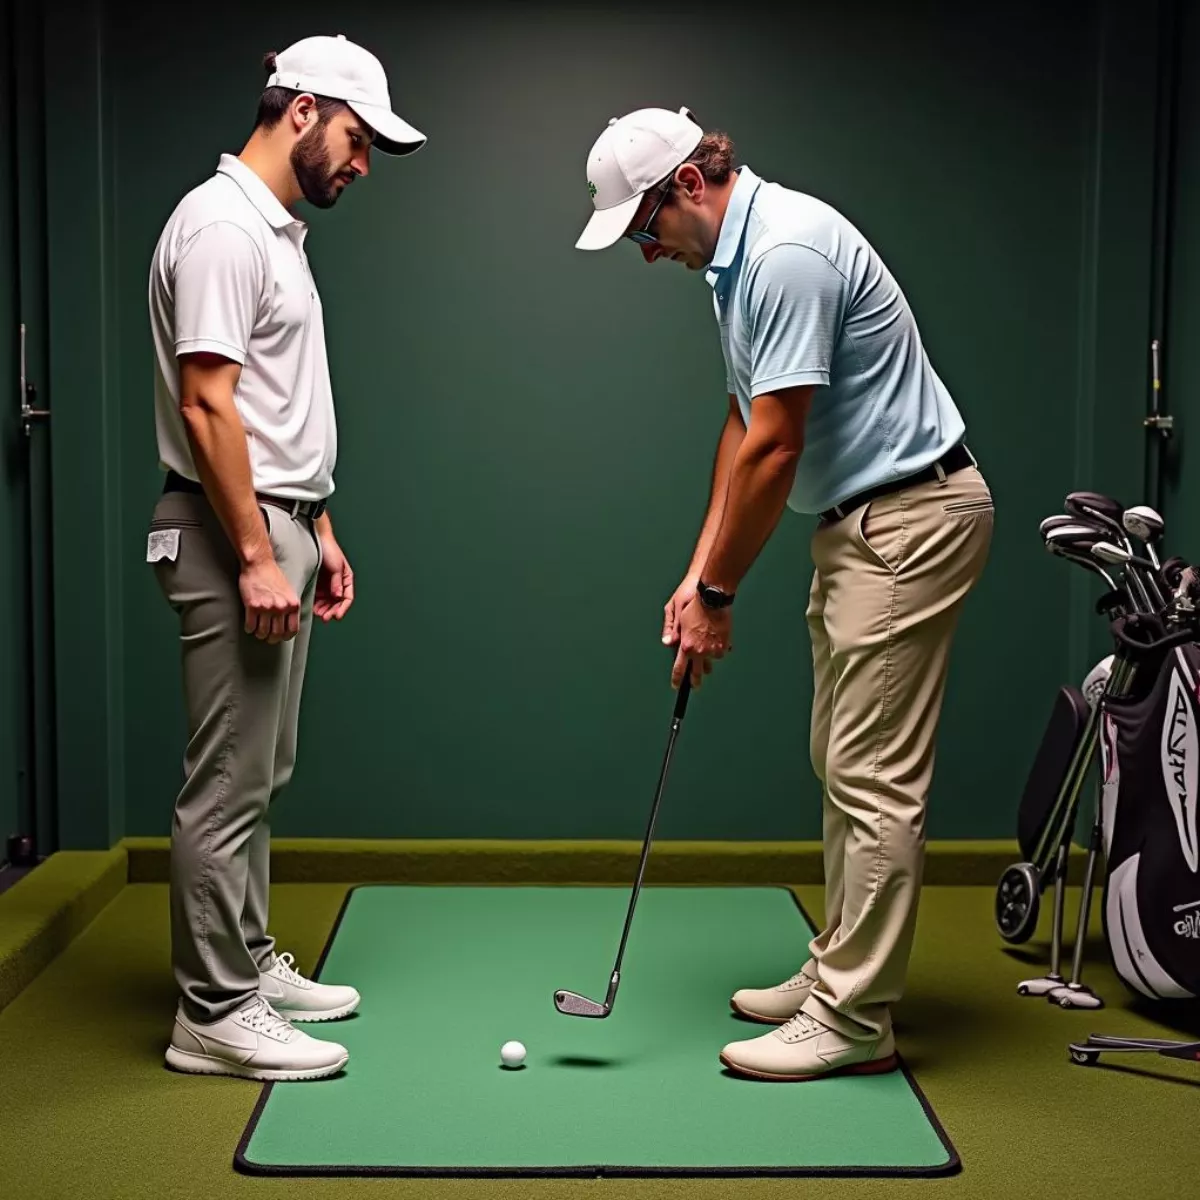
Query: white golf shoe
x=300 y=999
x=254 y=1042
x=774 y=1005
x=805 y=1049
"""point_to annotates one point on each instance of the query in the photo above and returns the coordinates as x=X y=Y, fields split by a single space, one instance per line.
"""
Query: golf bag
x=1150 y=796
x=1065 y=731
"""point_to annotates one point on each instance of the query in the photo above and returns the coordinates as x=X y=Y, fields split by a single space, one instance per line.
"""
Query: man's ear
x=303 y=111
x=690 y=179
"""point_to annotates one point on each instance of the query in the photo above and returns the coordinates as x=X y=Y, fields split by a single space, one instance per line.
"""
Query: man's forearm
x=759 y=483
x=218 y=441
x=727 y=448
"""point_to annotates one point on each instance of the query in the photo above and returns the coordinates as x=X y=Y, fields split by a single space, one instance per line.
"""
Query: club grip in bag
x=1148 y=644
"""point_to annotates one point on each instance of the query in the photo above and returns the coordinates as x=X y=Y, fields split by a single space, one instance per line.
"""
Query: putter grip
x=681 y=697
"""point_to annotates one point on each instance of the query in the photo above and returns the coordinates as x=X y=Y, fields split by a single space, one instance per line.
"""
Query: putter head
x=574 y=1005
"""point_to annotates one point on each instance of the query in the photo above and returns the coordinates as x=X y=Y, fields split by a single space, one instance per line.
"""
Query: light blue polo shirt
x=802 y=298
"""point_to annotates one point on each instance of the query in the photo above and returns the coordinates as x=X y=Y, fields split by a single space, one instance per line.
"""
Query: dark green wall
x=89 y=545
x=11 y=764
x=27 y=719
x=526 y=431
x=1181 y=350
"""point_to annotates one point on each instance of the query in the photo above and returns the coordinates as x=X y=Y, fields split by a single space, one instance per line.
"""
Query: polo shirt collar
x=733 y=224
x=257 y=192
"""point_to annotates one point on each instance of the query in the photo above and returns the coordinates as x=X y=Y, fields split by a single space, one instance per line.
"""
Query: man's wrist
x=713 y=596
x=256 y=553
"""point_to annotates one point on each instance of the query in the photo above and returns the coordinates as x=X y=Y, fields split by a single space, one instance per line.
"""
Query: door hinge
x=1161 y=421
x=29 y=411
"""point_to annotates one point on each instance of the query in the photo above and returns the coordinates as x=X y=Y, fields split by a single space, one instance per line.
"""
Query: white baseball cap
x=633 y=154
x=337 y=68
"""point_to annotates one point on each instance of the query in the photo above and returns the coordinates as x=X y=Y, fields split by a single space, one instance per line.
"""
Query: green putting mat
x=448 y=974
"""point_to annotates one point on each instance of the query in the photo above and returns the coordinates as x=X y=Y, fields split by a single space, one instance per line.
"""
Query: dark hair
x=713 y=156
x=274 y=101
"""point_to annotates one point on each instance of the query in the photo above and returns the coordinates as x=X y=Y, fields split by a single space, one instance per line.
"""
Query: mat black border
x=244 y=1166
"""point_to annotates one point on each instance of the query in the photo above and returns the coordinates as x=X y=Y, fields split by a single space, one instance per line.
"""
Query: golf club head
x=1100 y=510
x=1143 y=522
x=1172 y=569
x=1095 y=505
x=1077 y=536
x=1055 y=521
x=1107 y=552
x=1064 y=521
x=572 y=1004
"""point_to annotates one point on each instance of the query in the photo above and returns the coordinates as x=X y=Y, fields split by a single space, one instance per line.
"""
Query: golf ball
x=512 y=1054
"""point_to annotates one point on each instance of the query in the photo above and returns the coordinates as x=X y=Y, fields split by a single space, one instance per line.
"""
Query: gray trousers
x=242 y=697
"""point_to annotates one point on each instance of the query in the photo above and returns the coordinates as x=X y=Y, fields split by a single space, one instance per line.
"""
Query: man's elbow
x=206 y=386
x=199 y=408
x=777 y=454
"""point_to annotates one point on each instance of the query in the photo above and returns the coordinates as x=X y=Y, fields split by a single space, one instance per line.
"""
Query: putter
x=572 y=1003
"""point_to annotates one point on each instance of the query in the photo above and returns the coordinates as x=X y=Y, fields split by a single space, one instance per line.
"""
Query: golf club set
x=1140 y=709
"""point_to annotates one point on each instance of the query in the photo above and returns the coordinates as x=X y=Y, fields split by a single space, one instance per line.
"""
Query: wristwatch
x=713 y=597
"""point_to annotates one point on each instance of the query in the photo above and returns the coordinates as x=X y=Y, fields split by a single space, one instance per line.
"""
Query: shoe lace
x=799 y=977
x=283 y=964
x=799 y=1026
x=262 y=1018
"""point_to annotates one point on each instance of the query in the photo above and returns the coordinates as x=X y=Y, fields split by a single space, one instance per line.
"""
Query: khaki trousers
x=242 y=698
x=888 y=587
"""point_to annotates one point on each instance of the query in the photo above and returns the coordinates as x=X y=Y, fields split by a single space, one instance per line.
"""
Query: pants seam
x=880 y=737
x=210 y=831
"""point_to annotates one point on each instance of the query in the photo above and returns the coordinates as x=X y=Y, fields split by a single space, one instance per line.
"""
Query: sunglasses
x=643 y=236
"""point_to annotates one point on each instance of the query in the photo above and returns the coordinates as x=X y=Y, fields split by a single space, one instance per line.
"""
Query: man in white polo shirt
x=242 y=541
x=834 y=409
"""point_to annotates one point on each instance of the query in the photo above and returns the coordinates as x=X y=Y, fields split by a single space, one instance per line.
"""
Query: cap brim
x=393 y=135
x=608 y=225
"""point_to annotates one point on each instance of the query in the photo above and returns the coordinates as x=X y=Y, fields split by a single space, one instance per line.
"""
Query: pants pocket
x=312 y=532
x=175 y=523
x=971 y=505
x=881 y=532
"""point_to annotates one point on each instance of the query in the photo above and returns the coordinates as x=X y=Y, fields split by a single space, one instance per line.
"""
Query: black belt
x=957 y=458
x=297 y=508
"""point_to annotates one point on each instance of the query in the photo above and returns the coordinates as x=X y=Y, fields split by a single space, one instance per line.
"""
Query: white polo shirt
x=230 y=276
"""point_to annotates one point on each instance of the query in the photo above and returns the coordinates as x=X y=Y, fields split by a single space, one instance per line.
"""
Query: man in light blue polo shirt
x=833 y=409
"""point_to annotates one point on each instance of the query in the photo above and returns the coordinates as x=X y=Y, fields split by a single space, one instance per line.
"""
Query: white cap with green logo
x=633 y=154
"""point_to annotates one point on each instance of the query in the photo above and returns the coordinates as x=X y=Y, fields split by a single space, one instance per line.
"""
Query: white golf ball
x=512 y=1054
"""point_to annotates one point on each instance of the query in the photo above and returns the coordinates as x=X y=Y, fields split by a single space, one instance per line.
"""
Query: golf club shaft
x=676 y=721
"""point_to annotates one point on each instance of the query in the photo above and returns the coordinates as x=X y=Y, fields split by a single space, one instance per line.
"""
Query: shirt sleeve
x=219 y=282
x=795 y=299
